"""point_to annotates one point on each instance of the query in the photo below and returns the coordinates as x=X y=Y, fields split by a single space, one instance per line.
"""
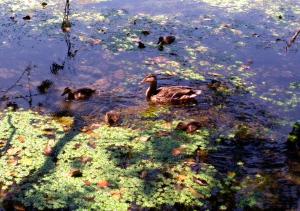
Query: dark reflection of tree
x=27 y=97
x=66 y=28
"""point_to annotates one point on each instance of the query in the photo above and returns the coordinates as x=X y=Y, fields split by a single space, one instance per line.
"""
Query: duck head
x=160 y=40
x=152 y=90
x=150 y=79
x=67 y=90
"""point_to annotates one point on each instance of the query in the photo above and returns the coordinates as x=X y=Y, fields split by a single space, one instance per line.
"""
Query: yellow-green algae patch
x=114 y=167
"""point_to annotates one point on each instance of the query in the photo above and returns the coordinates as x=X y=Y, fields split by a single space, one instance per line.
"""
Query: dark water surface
x=242 y=43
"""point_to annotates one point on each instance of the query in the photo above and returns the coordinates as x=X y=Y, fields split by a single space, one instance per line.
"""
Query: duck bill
x=143 y=81
x=64 y=93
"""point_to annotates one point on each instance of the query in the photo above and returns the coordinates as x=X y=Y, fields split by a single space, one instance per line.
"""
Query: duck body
x=169 y=94
x=112 y=118
x=214 y=84
x=189 y=127
x=79 y=94
x=166 y=40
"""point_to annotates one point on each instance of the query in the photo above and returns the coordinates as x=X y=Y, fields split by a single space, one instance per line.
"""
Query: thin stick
x=293 y=39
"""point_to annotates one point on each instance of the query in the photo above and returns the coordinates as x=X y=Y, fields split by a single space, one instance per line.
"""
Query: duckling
x=12 y=105
x=80 y=94
x=44 y=86
x=112 y=118
x=166 y=40
x=169 y=94
x=189 y=127
x=141 y=45
x=214 y=84
x=66 y=26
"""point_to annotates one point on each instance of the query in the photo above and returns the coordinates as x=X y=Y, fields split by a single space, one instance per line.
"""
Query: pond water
x=241 y=43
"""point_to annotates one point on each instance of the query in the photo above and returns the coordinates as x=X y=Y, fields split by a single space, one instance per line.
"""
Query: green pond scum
x=118 y=167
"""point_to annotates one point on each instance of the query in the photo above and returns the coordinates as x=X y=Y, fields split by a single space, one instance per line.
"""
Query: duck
x=169 y=94
x=166 y=40
x=189 y=127
x=141 y=45
x=112 y=118
x=79 y=94
x=214 y=84
x=44 y=86
x=12 y=105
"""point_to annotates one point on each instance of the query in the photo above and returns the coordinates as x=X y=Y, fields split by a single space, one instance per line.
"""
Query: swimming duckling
x=44 y=86
x=80 y=94
x=166 y=40
x=169 y=94
x=112 y=118
x=214 y=84
x=189 y=127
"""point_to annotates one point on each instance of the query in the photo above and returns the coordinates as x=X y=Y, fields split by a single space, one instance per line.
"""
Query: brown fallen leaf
x=92 y=144
x=103 y=184
x=117 y=194
x=13 y=160
x=196 y=193
x=89 y=198
x=21 y=139
x=181 y=178
x=85 y=159
x=177 y=151
x=2 y=142
x=201 y=182
x=92 y=134
x=77 y=146
x=144 y=138
x=13 y=151
x=48 y=150
x=87 y=183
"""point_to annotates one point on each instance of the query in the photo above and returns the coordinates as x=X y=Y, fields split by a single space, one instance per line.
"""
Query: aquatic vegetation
x=115 y=168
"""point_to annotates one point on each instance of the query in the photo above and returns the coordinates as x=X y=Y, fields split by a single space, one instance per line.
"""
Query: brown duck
x=214 y=84
x=189 y=127
x=112 y=118
x=79 y=94
x=166 y=40
x=169 y=94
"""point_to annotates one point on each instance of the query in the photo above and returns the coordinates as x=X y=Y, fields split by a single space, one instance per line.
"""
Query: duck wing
x=177 y=92
x=86 y=90
x=83 y=93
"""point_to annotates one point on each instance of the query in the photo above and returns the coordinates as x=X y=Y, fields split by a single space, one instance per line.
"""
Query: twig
x=293 y=39
x=29 y=87
x=17 y=81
